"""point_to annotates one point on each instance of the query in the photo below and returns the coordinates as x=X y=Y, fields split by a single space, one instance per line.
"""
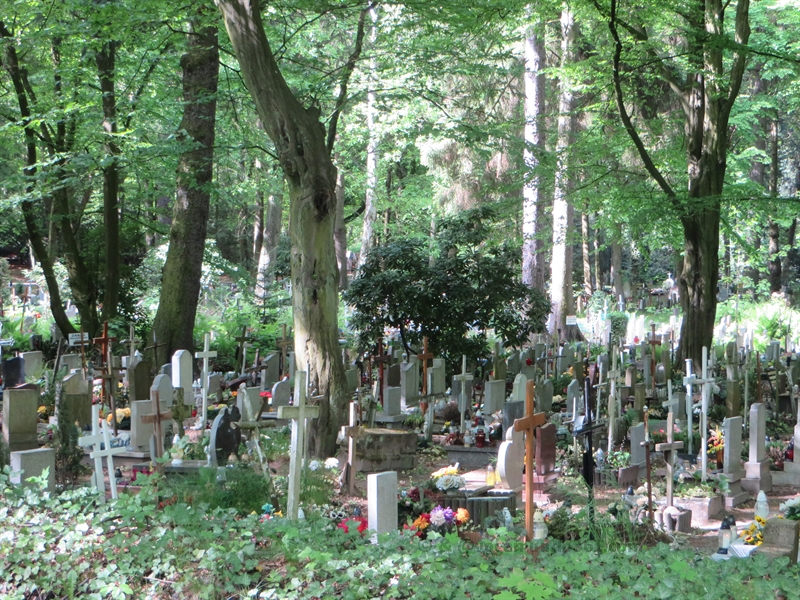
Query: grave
x=33 y=463
x=511 y=460
x=250 y=396
x=391 y=412
x=758 y=477
x=637 y=451
x=382 y=502
x=281 y=394
x=33 y=363
x=20 y=416
x=13 y=372
x=182 y=375
x=386 y=449
x=545 y=454
x=732 y=432
x=76 y=400
x=518 y=391
x=544 y=396
x=494 y=396
x=271 y=371
x=226 y=436
x=436 y=378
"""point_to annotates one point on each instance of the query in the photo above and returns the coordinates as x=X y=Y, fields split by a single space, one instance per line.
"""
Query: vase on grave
x=720 y=458
x=480 y=438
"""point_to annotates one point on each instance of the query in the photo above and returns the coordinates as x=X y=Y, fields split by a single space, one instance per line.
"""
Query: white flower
x=790 y=503
x=331 y=463
x=314 y=465
x=437 y=518
x=450 y=482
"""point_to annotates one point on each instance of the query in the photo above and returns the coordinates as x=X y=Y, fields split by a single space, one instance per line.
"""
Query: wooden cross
x=671 y=402
x=108 y=453
x=105 y=343
x=298 y=414
x=464 y=378
x=108 y=374
x=669 y=449
x=206 y=354
x=156 y=418
x=244 y=343
x=381 y=359
x=425 y=356
x=528 y=424
x=353 y=433
x=156 y=345
x=283 y=345
x=95 y=439
x=132 y=341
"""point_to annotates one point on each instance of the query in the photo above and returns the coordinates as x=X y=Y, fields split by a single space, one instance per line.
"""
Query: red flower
x=361 y=522
x=529 y=361
x=413 y=493
x=266 y=394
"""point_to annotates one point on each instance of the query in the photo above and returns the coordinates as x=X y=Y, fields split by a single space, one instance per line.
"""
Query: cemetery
x=407 y=300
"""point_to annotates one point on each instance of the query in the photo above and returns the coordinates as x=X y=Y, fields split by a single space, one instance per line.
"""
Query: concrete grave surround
x=758 y=477
x=33 y=463
x=382 y=502
x=20 y=416
x=511 y=459
x=494 y=396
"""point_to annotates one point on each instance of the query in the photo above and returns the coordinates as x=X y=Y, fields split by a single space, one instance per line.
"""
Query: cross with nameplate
x=706 y=382
x=298 y=414
x=206 y=354
x=669 y=449
x=424 y=357
x=463 y=401
x=154 y=347
x=528 y=425
x=156 y=418
x=353 y=432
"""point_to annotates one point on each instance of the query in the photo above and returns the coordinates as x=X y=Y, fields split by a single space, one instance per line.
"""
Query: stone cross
x=528 y=424
x=353 y=433
x=298 y=414
x=95 y=439
x=105 y=343
x=156 y=418
x=425 y=356
x=205 y=355
x=464 y=378
x=108 y=453
x=244 y=343
x=283 y=346
x=669 y=449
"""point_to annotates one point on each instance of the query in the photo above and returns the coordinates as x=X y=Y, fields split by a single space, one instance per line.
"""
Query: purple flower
x=449 y=515
x=437 y=517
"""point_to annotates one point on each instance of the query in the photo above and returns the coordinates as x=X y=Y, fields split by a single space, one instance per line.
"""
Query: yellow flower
x=761 y=520
x=451 y=470
x=462 y=515
x=420 y=523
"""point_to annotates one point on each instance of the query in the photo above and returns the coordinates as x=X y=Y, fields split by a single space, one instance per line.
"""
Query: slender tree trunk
x=534 y=263
x=371 y=209
x=340 y=233
x=269 y=249
x=774 y=265
x=616 y=264
x=304 y=155
x=180 y=287
x=106 y=63
x=587 y=259
x=258 y=225
x=561 y=262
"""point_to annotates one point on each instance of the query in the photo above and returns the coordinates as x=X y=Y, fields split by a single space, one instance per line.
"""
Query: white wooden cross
x=613 y=375
x=671 y=402
x=95 y=440
x=108 y=453
x=463 y=378
x=706 y=382
x=205 y=355
x=353 y=433
x=669 y=449
x=298 y=414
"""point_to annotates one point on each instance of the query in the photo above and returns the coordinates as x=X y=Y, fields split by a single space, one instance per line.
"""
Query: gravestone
x=494 y=396
x=139 y=380
x=166 y=370
x=455 y=391
x=574 y=398
x=513 y=363
x=630 y=377
x=352 y=376
x=637 y=451
x=281 y=394
x=182 y=375
x=393 y=376
x=391 y=402
x=249 y=396
x=546 y=452
x=33 y=463
x=666 y=361
x=70 y=362
x=270 y=371
x=528 y=370
x=436 y=378
x=511 y=457
x=640 y=399
x=511 y=412
x=33 y=363
x=518 y=391
x=758 y=477
x=733 y=398
x=213 y=387
x=382 y=502
x=141 y=433
x=647 y=373
x=544 y=396
x=13 y=372
x=525 y=356
x=409 y=381
x=565 y=359
x=163 y=383
x=20 y=416
x=499 y=368
x=226 y=436
x=76 y=400
x=731 y=464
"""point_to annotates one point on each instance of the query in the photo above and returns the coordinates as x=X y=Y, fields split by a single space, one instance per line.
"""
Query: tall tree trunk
x=340 y=233
x=300 y=143
x=106 y=63
x=598 y=273
x=258 y=225
x=561 y=262
x=180 y=287
x=269 y=249
x=371 y=209
x=587 y=260
x=534 y=263
x=616 y=264
x=774 y=228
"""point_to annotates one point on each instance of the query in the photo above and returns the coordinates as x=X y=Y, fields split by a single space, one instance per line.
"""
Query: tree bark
x=258 y=225
x=340 y=233
x=587 y=259
x=534 y=263
x=774 y=228
x=106 y=63
x=616 y=265
x=371 y=208
x=269 y=249
x=561 y=263
x=180 y=288
x=300 y=143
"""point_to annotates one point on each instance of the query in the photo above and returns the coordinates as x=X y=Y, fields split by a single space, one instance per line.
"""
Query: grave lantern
x=539 y=526
x=762 y=506
x=725 y=536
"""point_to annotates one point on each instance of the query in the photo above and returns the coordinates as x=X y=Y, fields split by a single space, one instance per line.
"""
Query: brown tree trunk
x=587 y=259
x=180 y=287
x=106 y=62
x=340 y=233
x=269 y=249
x=616 y=264
x=299 y=141
x=774 y=228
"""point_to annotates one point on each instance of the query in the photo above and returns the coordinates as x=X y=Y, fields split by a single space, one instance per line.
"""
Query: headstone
x=382 y=502
x=494 y=396
x=70 y=362
x=13 y=372
x=271 y=371
x=226 y=436
x=166 y=370
x=511 y=457
x=436 y=377
x=281 y=394
x=544 y=396
x=758 y=477
x=33 y=363
x=141 y=432
x=249 y=396
x=391 y=402
x=182 y=375
x=640 y=399
x=518 y=391
x=630 y=377
x=731 y=464
x=76 y=400
x=637 y=451
x=20 y=416
x=499 y=368
x=647 y=373
x=163 y=384
x=32 y=463
x=513 y=363
x=733 y=398
x=393 y=376
x=666 y=361
x=213 y=386
x=574 y=398
x=139 y=380
x=546 y=450
x=352 y=377
x=565 y=359
x=455 y=391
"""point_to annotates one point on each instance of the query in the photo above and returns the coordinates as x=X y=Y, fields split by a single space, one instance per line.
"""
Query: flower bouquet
x=791 y=509
x=439 y=520
x=754 y=535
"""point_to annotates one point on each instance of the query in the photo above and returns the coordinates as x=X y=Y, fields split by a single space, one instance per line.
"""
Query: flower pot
x=720 y=458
